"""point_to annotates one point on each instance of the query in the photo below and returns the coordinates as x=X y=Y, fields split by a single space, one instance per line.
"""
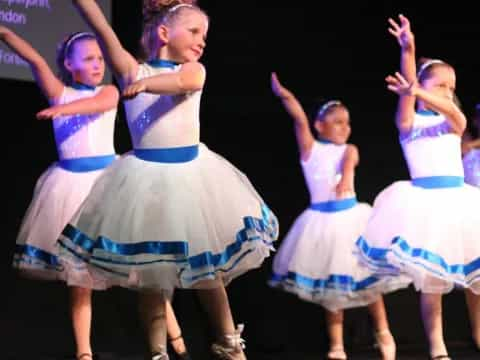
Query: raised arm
x=190 y=77
x=305 y=139
x=406 y=104
x=447 y=107
x=124 y=65
x=106 y=99
x=345 y=187
x=50 y=85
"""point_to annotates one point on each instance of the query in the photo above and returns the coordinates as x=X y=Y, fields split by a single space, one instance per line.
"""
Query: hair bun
x=151 y=7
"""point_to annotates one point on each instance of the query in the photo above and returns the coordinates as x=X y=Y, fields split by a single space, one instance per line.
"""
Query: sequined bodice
x=83 y=135
x=323 y=171
x=160 y=121
x=431 y=149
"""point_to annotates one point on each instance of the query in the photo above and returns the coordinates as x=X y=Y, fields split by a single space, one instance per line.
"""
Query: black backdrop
x=321 y=50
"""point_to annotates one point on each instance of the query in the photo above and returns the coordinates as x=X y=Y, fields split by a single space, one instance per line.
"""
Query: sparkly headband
x=70 y=41
x=426 y=65
x=327 y=106
x=176 y=7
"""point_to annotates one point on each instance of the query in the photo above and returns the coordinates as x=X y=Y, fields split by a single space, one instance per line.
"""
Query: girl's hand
x=50 y=113
x=3 y=31
x=344 y=189
x=399 y=85
x=134 y=89
x=402 y=32
x=277 y=88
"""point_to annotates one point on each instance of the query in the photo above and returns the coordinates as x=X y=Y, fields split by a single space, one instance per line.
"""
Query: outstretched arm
x=406 y=104
x=105 y=100
x=447 y=107
x=305 y=139
x=350 y=161
x=123 y=64
x=190 y=77
x=51 y=86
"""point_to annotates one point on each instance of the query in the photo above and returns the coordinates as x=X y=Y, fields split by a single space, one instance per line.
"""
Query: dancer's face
x=86 y=63
x=335 y=126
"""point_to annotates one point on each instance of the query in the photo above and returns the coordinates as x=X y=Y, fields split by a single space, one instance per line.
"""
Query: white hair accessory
x=427 y=64
x=70 y=41
x=176 y=7
x=326 y=106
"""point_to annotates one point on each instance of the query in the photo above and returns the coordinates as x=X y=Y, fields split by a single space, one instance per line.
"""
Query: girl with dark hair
x=315 y=260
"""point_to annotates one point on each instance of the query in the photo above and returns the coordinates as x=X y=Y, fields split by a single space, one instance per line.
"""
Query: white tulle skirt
x=160 y=226
x=431 y=235
x=316 y=260
x=57 y=196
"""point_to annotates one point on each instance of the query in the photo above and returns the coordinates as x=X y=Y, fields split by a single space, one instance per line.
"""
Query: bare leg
x=335 y=333
x=152 y=313
x=173 y=330
x=383 y=335
x=431 y=306
x=473 y=303
x=81 y=312
x=215 y=302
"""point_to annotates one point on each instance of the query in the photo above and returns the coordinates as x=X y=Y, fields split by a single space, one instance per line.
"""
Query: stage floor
x=35 y=324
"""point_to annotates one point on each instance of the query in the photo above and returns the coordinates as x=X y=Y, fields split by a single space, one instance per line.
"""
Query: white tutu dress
x=427 y=228
x=171 y=213
x=316 y=259
x=85 y=148
x=471 y=166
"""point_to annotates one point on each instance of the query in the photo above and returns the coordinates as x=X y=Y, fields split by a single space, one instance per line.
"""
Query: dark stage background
x=321 y=50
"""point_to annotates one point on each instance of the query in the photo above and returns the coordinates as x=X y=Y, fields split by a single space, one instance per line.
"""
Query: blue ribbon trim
x=324 y=141
x=86 y=164
x=177 y=248
x=28 y=253
x=427 y=112
x=435 y=259
x=254 y=230
x=80 y=86
x=334 y=205
x=438 y=182
x=377 y=257
x=333 y=281
x=168 y=155
x=161 y=63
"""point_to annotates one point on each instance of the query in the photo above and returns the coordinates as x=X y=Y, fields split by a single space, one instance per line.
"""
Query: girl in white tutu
x=83 y=114
x=316 y=260
x=471 y=151
x=428 y=228
x=171 y=214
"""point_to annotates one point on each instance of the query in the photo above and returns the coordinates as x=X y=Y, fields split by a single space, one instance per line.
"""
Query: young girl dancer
x=428 y=228
x=83 y=114
x=316 y=260
x=172 y=214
